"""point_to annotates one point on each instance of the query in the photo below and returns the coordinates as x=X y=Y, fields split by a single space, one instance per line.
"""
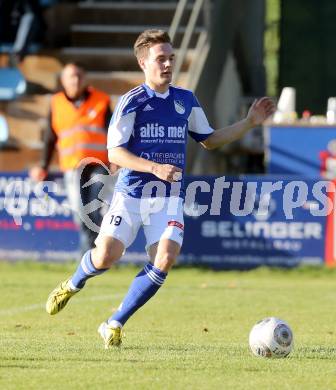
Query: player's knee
x=105 y=254
x=104 y=260
x=165 y=261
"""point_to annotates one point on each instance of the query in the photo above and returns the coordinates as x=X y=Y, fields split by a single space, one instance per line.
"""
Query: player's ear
x=141 y=62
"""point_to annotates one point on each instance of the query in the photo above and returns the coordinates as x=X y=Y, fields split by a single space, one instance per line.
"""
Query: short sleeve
x=120 y=129
x=199 y=128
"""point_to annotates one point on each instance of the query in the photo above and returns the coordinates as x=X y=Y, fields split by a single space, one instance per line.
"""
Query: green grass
x=192 y=335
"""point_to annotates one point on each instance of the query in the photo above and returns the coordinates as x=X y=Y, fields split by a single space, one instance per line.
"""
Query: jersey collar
x=152 y=93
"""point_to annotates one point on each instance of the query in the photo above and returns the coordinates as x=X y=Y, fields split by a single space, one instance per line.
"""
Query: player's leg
x=116 y=231
x=164 y=240
x=97 y=261
x=124 y=222
x=72 y=182
x=164 y=254
x=144 y=286
x=94 y=262
x=88 y=207
x=147 y=282
x=95 y=188
x=171 y=223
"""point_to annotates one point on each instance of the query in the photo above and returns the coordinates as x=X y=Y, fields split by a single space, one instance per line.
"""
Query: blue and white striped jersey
x=155 y=126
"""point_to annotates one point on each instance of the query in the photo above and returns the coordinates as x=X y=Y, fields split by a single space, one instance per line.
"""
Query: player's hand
x=260 y=110
x=38 y=173
x=167 y=172
x=113 y=168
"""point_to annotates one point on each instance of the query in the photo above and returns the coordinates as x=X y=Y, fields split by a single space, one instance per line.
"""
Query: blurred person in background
x=328 y=161
x=77 y=127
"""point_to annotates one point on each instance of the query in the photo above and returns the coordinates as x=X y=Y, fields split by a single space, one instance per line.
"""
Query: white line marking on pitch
x=38 y=306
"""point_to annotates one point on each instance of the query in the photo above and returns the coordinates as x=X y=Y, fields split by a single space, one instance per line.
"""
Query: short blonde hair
x=147 y=39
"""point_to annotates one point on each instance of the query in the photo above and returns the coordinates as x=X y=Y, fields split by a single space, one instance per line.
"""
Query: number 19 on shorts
x=115 y=220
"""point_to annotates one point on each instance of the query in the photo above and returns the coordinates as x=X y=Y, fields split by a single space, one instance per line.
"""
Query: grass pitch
x=192 y=335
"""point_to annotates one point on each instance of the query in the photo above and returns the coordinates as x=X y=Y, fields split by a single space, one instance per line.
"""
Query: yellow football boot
x=59 y=297
x=111 y=335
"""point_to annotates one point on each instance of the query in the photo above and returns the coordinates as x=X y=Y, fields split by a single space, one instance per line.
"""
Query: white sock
x=115 y=324
x=72 y=287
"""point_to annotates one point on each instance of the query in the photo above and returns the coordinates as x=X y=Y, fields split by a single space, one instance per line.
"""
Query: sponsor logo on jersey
x=176 y=224
x=154 y=130
x=164 y=158
x=145 y=155
x=179 y=107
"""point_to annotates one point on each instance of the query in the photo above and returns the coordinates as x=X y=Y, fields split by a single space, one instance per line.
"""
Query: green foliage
x=272 y=45
x=192 y=335
x=308 y=59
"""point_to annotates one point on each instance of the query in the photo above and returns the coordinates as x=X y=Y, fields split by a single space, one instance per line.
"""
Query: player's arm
x=125 y=159
x=40 y=172
x=260 y=110
x=108 y=116
x=50 y=139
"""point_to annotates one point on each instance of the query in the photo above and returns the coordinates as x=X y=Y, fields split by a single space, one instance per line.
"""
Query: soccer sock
x=143 y=287
x=85 y=271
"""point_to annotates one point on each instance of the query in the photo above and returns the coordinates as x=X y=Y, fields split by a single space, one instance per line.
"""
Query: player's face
x=73 y=81
x=158 y=66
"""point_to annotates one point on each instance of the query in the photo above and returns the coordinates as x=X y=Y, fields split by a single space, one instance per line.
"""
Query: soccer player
x=147 y=137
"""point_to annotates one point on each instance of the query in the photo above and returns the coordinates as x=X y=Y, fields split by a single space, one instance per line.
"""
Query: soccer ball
x=271 y=338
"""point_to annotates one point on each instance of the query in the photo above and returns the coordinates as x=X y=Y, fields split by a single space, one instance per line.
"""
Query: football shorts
x=161 y=218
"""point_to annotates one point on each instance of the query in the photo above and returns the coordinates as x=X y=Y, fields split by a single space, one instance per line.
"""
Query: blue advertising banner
x=255 y=227
x=35 y=220
x=230 y=222
x=300 y=150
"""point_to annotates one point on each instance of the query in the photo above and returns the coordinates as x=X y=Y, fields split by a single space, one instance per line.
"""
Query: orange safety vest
x=80 y=131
